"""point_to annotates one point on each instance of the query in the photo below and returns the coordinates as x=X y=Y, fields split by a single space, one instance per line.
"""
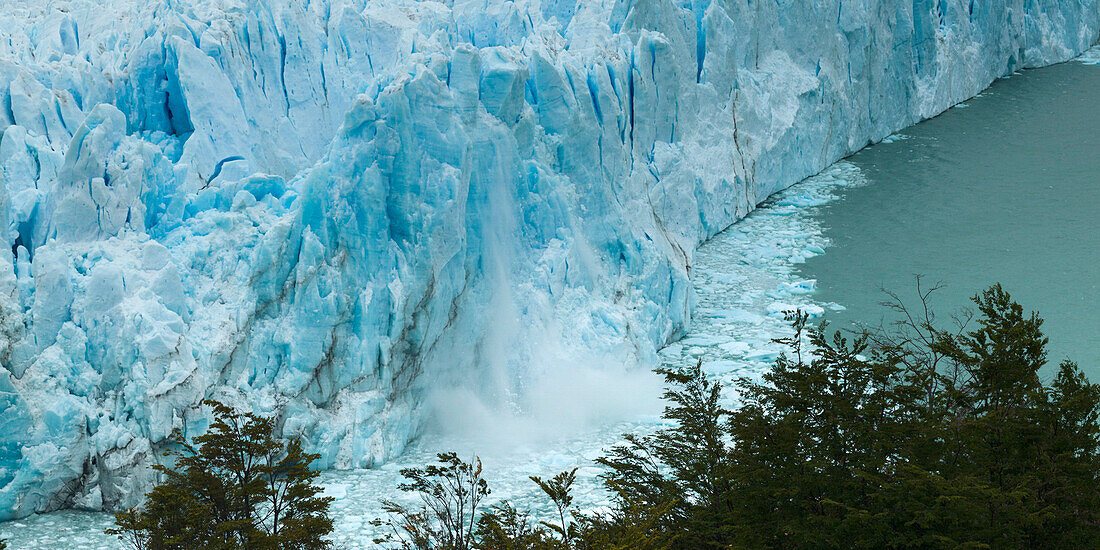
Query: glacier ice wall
x=324 y=209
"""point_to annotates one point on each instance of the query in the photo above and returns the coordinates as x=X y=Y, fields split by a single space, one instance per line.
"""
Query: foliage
x=450 y=494
x=558 y=489
x=236 y=487
x=449 y=517
x=913 y=435
x=682 y=470
x=908 y=436
x=506 y=528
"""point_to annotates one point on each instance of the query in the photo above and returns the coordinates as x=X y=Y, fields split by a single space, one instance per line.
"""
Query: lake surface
x=1004 y=188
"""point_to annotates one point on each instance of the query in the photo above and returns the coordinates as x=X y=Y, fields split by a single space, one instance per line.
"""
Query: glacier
x=739 y=275
x=328 y=210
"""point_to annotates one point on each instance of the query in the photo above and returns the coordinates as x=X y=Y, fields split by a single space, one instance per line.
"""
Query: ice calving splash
x=745 y=277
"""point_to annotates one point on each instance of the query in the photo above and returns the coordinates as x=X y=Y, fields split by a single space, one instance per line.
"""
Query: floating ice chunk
x=557 y=461
x=781 y=309
x=734 y=315
x=713 y=368
x=796 y=288
x=673 y=349
x=335 y=490
x=703 y=340
x=735 y=348
x=763 y=356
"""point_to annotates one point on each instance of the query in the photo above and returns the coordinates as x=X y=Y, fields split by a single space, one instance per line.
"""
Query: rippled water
x=1005 y=188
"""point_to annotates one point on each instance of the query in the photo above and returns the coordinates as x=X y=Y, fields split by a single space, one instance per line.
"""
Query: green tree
x=236 y=487
x=913 y=435
x=682 y=471
x=504 y=527
x=449 y=517
x=559 y=488
x=450 y=494
x=909 y=436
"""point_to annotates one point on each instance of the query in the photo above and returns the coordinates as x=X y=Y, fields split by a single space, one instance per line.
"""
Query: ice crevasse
x=324 y=209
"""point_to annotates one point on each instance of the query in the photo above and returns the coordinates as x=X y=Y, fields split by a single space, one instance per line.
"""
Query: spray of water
x=550 y=397
x=535 y=379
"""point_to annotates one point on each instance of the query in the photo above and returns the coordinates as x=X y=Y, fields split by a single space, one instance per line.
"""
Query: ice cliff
x=325 y=209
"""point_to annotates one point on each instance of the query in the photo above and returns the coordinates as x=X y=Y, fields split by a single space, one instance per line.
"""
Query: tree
x=449 y=516
x=913 y=435
x=504 y=527
x=681 y=471
x=559 y=488
x=236 y=487
x=450 y=494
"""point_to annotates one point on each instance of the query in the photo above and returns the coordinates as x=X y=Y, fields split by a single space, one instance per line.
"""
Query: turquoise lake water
x=1004 y=188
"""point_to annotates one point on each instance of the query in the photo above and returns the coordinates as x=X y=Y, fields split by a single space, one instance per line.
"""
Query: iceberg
x=324 y=210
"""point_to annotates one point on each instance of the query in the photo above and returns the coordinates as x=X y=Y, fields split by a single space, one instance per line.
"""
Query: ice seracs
x=322 y=210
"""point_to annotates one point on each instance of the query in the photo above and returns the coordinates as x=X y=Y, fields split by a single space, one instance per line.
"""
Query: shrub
x=909 y=436
x=449 y=516
x=450 y=494
x=236 y=487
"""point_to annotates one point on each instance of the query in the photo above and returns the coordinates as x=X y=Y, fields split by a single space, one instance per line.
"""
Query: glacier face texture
x=323 y=210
